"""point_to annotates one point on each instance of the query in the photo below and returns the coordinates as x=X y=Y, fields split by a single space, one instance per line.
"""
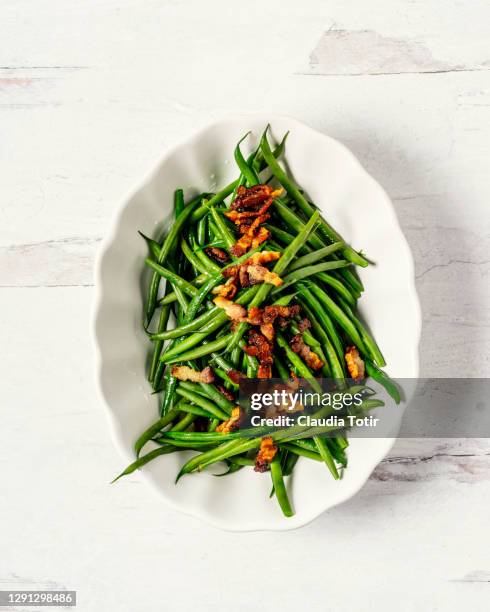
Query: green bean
x=315 y=256
x=338 y=286
x=383 y=379
x=174 y=278
x=289 y=464
x=348 y=252
x=280 y=488
x=157 y=349
x=302 y=370
x=184 y=423
x=193 y=259
x=195 y=410
x=297 y=275
x=295 y=223
x=223 y=451
x=259 y=161
x=353 y=281
x=326 y=456
x=218 y=398
x=312 y=342
x=286 y=238
x=224 y=233
x=212 y=393
x=337 y=453
x=336 y=363
x=201 y=351
x=149 y=433
x=213 y=424
x=171 y=297
x=246 y=170
x=300 y=451
x=211 y=267
x=196 y=302
x=201 y=401
x=339 y=315
x=323 y=317
x=141 y=461
x=178 y=202
x=202 y=229
x=281 y=368
x=153 y=245
x=183 y=330
x=370 y=344
x=164 y=253
x=224 y=376
x=216 y=199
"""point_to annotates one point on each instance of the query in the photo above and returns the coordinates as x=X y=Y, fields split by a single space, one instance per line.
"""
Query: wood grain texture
x=91 y=94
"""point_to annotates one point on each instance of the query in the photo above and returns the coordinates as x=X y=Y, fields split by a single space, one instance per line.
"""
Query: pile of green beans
x=185 y=327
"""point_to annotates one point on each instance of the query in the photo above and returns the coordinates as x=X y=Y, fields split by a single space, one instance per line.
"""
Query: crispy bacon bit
x=254 y=316
x=272 y=312
x=228 y=290
x=298 y=346
x=244 y=277
x=217 y=254
x=266 y=454
x=262 y=235
x=235 y=376
x=263 y=257
x=355 y=364
x=259 y=347
x=251 y=198
x=228 y=394
x=304 y=324
x=264 y=371
x=232 y=423
x=241 y=246
x=234 y=311
x=267 y=330
x=248 y=212
x=183 y=372
x=260 y=274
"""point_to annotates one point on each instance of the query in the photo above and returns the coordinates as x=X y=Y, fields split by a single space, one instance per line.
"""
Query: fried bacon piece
x=228 y=290
x=182 y=372
x=235 y=376
x=264 y=371
x=252 y=272
x=355 y=364
x=255 y=316
x=304 y=324
x=267 y=330
x=266 y=454
x=263 y=257
x=259 y=347
x=241 y=246
x=251 y=198
x=232 y=423
x=248 y=212
x=228 y=394
x=260 y=274
x=234 y=311
x=272 y=312
x=217 y=254
x=298 y=346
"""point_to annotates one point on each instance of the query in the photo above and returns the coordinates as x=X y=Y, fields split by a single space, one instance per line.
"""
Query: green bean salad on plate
x=252 y=283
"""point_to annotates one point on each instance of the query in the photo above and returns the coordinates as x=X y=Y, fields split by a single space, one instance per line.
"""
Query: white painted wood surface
x=91 y=94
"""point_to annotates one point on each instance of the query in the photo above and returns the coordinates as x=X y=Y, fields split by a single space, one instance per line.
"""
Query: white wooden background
x=91 y=93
